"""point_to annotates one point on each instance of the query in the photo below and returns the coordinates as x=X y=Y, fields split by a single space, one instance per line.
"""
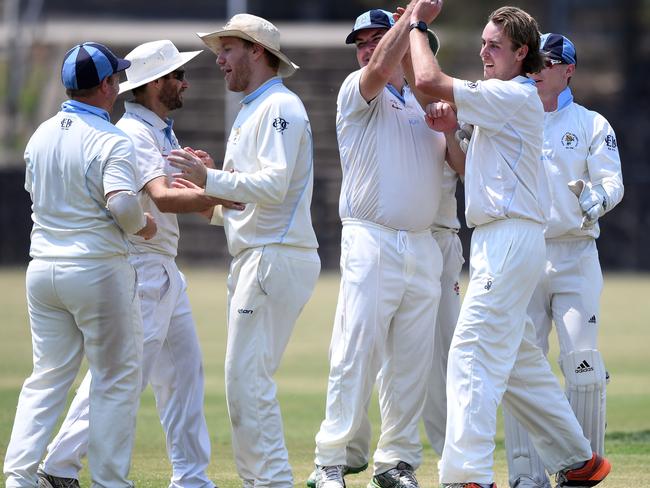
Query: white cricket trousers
x=171 y=363
x=569 y=296
x=494 y=357
x=77 y=307
x=388 y=300
x=434 y=414
x=267 y=289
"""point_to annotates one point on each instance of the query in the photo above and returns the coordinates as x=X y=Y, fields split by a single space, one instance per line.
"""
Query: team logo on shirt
x=234 y=135
x=472 y=85
x=570 y=140
x=394 y=104
x=488 y=284
x=66 y=123
x=610 y=140
x=280 y=124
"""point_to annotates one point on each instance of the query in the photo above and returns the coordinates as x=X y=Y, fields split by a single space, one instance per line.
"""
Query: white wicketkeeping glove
x=593 y=201
x=463 y=135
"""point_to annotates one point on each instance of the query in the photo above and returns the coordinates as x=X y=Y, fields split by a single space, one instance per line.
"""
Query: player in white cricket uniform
x=493 y=356
x=390 y=264
x=268 y=165
x=578 y=145
x=445 y=233
x=81 y=290
x=171 y=355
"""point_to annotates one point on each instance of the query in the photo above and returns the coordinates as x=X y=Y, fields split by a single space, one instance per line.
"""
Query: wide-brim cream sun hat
x=151 y=60
x=254 y=29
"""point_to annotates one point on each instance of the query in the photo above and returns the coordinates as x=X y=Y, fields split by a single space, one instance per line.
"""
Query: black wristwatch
x=419 y=25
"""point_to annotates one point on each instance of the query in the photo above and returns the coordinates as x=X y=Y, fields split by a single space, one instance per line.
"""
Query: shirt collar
x=524 y=80
x=564 y=99
x=150 y=118
x=261 y=89
x=77 y=107
x=396 y=92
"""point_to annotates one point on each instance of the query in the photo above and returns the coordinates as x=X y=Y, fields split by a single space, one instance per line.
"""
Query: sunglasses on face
x=179 y=74
x=549 y=63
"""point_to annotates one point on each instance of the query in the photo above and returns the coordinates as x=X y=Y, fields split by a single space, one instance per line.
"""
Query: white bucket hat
x=151 y=60
x=254 y=29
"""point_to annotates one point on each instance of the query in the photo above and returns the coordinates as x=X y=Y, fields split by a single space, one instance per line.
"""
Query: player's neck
x=155 y=105
x=549 y=101
x=397 y=80
x=258 y=77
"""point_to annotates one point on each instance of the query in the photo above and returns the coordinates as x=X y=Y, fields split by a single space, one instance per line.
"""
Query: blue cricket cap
x=86 y=65
x=559 y=48
x=372 y=19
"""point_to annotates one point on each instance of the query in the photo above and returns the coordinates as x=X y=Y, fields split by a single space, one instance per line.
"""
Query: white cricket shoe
x=330 y=476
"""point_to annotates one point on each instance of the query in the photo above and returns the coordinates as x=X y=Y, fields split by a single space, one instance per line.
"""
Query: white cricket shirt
x=73 y=160
x=153 y=139
x=578 y=144
x=269 y=151
x=447 y=216
x=391 y=161
x=502 y=165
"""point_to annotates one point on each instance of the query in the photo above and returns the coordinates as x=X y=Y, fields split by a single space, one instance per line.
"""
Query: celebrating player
x=268 y=165
x=390 y=264
x=171 y=356
x=493 y=356
x=579 y=152
x=81 y=291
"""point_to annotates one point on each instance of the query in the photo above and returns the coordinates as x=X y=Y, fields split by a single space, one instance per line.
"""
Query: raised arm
x=387 y=56
x=429 y=79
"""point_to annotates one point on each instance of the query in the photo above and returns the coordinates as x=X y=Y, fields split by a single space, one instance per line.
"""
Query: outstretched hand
x=203 y=155
x=426 y=10
x=191 y=166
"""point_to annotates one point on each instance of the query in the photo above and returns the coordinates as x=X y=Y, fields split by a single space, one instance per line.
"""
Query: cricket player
x=81 y=290
x=445 y=233
x=268 y=165
x=390 y=264
x=172 y=356
x=579 y=149
x=493 y=356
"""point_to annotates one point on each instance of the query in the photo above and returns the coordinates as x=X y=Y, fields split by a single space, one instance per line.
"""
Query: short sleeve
x=148 y=155
x=488 y=104
x=350 y=103
x=119 y=170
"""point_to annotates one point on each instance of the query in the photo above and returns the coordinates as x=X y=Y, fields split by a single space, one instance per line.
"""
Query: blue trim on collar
x=168 y=130
x=564 y=99
x=261 y=89
x=396 y=92
x=524 y=80
x=76 y=107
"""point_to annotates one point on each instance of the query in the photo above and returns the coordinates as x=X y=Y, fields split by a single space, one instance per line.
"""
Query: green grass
x=303 y=375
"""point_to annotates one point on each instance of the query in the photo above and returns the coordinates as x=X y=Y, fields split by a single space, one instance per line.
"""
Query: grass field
x=625 y=340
